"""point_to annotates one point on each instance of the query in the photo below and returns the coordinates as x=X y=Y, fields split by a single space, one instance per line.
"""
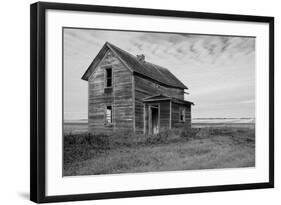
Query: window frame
x=182 y=111
x=106 y=77
x=105 y=115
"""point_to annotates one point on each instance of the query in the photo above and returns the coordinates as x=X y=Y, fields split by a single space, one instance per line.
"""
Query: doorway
x=154 y=119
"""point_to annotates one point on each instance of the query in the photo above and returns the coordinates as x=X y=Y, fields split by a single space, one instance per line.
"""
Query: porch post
x=170 y=122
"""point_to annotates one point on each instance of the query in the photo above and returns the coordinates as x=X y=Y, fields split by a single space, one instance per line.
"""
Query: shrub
x=83 y=146
x=155 y=139
x=221 y=131
x=73 y=139
x=188 y=133
x=171 y=135
x=202 y=133
x=122 y=137
x=98 y=141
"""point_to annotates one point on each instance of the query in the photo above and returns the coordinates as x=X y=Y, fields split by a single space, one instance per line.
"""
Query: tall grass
x=127 y=138
x=84 y=146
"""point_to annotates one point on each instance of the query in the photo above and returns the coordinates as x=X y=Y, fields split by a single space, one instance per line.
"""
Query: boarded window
x=108 y=74
x=108 y=114
x=182 y=115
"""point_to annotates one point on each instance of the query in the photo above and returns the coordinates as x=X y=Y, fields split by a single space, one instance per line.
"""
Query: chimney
x=141 y=57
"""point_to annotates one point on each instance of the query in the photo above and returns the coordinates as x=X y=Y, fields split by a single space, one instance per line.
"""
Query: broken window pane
x=108 y=114
x=182 y=115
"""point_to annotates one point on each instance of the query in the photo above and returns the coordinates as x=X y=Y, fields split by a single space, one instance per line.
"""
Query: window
x=182 y=115
x=108 y=114
x=108 y=74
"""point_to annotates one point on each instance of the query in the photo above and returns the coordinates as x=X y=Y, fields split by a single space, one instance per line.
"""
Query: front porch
x=162 y=112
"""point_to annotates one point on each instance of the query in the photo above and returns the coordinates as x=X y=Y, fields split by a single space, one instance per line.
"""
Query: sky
x=219 y=71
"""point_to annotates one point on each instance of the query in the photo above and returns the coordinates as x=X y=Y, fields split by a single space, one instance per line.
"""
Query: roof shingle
x=145 y=68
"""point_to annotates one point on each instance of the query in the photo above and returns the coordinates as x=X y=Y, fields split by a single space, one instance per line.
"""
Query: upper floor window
x=182 y=115
x=108 y=77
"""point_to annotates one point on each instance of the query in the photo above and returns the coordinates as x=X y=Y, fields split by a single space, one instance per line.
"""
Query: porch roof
x=161 y=97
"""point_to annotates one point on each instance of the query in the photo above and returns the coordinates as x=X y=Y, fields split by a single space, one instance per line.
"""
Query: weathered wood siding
x=164 y=109
x=164 y=114
x=188 y=115
x=153 y=88
x=145 y=88
x=120 y=98
x=176 y=115
x=126 y=99
x=139 y=111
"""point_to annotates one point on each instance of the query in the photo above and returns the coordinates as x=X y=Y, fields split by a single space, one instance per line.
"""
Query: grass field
x=206 y=146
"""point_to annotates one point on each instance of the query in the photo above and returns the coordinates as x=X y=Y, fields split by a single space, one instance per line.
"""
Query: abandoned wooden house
x=127 y=92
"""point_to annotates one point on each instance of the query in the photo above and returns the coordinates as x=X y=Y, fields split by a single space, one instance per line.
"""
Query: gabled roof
x=147 y=69
x=161 y=97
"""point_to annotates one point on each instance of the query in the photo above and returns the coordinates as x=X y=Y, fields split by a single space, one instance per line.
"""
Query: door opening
x=154 y=119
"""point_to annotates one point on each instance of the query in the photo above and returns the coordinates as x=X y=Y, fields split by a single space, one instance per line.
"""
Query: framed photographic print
x=129 y=102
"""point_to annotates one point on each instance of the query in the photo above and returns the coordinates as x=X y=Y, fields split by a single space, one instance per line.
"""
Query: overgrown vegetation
x=124 y=151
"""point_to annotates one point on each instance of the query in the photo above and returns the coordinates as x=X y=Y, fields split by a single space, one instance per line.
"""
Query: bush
x=159 y=138
x=97 y=140
x=221 y=131
x=202 y=133
x=188 y=133
x=171 y=135
x=122 y=137
x=84 y=146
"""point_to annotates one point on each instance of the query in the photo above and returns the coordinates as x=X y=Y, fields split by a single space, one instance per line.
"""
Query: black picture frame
x=38 y=100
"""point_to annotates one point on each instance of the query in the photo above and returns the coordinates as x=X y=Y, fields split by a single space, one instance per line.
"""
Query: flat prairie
x=207 y=146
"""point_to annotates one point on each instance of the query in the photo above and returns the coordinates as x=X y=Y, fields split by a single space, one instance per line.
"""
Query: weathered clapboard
x=127 y=92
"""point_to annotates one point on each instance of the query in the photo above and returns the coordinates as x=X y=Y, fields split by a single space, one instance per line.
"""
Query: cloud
x=219 y=70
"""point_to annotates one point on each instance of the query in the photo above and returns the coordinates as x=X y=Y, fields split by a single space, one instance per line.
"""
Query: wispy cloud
x=217 y=69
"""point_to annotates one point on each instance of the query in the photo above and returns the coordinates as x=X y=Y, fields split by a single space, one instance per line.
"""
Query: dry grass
x=125 y=152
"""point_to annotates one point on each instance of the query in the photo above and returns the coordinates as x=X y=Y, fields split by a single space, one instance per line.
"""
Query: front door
x=154 y=119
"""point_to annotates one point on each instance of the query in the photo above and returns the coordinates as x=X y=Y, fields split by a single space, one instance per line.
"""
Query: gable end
x=98 y=59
